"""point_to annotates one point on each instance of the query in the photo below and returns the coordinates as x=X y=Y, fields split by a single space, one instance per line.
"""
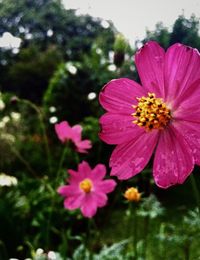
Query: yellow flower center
x=86 y=185
x=132 y=194
x=151 y=113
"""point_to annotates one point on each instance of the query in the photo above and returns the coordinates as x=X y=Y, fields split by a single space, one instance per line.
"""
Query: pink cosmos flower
x=87 y=190
x=65 y=133
x=161 y=117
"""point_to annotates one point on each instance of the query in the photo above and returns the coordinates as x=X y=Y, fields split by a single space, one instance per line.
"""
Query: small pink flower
x=162 y=116
x=65 y=133
x=87 y=190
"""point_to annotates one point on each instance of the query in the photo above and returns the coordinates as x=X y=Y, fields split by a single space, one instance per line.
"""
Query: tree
x=72 y=82
x=161 y=35
x=47 y=22
x=29 y=76
x=184 y=31
x=45 y=28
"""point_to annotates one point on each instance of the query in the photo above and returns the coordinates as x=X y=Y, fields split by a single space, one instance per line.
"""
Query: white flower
x=50 y=33
x=8 y=137
x=2 y=105
x=6 y=180
x=52 y=109
x=53 y=119
x=71 y=68
x=51 y=255
x=2 y=124
x=91 y=95
x=39 y=251
x=111 y=56
x=105 y=24
x=112 y=67
x=15 y=116
x=8 y=41
x=6 y=119
x=98 y=51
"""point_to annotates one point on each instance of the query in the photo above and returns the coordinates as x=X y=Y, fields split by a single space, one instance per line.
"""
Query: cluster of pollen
x=151 y=112
x=86 y=185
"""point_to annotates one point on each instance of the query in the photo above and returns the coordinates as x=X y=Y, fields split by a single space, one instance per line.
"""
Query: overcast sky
x=132 y=17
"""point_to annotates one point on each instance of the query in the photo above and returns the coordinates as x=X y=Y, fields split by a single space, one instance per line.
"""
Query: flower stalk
x=195 y=191
x=43 y=129
x=62 y=158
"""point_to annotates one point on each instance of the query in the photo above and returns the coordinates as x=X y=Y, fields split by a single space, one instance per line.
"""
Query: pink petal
x=74 y=202
x=105 y=186
x=76 y=133
x=63 y=131
x=68 y=190
x=150 y=64
x=98 y=173
x=120 y=94
x=100 y=198
x=188 y=103
x=81 y=150
x=74 y=177
x=89 y=206
x=130 y=158
x=191 y=133
x=173 y=161
x=117 y=128
x=82 y=146
x=84 y=170
x=72 y=172
x=182 y=69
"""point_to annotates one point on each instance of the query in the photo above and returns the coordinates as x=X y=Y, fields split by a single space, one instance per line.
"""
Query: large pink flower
x=65 y=133
x=162 y=116
x=87 y=190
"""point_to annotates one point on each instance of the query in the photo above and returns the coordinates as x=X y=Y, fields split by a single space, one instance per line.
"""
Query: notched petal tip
x=100 y=167
x=122 y=176
x=84 y=163
x=110 y=185
x=147 y=45
x=106 y=85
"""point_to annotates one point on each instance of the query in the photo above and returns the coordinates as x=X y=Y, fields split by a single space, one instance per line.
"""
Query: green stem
x=146 y=236
x=43 y=128
x=49 y=217
x=133 y=223
x=135 y=233
x=31 y=249
x=22 y=160
x=76 y=157
x=195 y=191
x=52 y=192
x=64 y=244
x=62 y=158
x=90 y=234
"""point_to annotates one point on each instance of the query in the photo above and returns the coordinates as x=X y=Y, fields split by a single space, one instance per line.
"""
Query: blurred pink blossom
x=87 y=190
x=161 y=117
x=65 y=133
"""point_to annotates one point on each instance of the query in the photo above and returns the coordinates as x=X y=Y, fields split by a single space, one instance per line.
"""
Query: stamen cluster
x=86 y=185
x=151 y=113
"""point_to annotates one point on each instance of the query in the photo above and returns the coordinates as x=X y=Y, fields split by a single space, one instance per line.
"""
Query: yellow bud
x=132 y=194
